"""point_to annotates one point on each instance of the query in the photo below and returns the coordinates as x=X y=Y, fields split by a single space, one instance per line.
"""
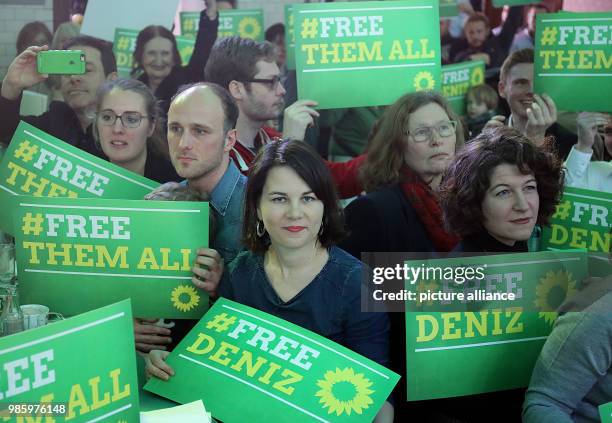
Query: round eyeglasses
x=425 y=133
x=128 y=119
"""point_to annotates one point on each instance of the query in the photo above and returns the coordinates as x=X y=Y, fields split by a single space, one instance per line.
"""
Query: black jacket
x=384 y=221
x=59 y=121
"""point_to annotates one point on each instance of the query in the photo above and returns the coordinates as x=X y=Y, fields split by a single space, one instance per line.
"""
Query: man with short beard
x=201 y=134
x=248 y=70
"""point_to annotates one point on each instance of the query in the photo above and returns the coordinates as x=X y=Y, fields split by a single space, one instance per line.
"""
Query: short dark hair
x=146 y=35
x=28 y=33
x=300 y=157
x=234 y=59
x=483 y=93
x=515 y=58
x=274 y=31
x=230 y=109
x=468 y=178
x=109 y=64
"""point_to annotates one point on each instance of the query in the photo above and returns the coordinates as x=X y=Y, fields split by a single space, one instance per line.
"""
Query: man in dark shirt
x=479 y=44
x=70 y=120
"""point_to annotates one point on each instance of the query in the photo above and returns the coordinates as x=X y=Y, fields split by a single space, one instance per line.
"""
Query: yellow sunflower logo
x=249 y=28
x=423 y=81
x=187 y=293
x=477 y=77
x=553 y=289
x=344 y=391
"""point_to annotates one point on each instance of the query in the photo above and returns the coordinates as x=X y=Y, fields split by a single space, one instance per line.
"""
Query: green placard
x=185 y=47
x=340 y=48
x=83 y=368
x=495 y=346
x=280 y=371
x=123 y=47
x=246 y=23
x=448 y=8
x=78 y=254
x=605 y=412
x=457 y=78
x=189 y=23
x=290 y=36
x=39 y=164
x=573 y=54
x=502 y=3
x=582 y=220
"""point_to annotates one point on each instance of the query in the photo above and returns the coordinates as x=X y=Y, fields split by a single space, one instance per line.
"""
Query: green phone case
x=63 y=62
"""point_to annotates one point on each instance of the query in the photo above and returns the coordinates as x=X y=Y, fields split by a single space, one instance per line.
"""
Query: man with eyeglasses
x=69 y=120
x=248 y=70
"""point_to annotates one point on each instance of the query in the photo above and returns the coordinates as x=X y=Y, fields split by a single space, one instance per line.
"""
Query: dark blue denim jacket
x=227 y=201
x=329 y=305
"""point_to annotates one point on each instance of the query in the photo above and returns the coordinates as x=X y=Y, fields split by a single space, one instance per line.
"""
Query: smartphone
x=61 y=62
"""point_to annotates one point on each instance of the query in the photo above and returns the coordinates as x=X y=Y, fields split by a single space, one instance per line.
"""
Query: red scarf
x=427 y=206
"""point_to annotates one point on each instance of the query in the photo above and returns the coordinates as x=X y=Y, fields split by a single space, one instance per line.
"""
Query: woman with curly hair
x=497 y=189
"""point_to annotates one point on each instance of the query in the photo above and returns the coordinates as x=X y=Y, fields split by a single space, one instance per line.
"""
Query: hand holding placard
x=208 y=270
x=587 y=124
x=298 y=117
x=540 y=116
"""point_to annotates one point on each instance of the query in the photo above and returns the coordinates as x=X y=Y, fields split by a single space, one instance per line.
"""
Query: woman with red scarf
x=415 y=142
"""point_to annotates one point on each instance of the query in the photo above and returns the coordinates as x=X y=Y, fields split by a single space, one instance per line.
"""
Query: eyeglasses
x=425 y=133
x=128 y=119
x=272 y=82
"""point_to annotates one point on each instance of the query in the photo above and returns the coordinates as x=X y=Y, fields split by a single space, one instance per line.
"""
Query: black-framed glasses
x=272 y=82
x=425 y=133
x=128 y=119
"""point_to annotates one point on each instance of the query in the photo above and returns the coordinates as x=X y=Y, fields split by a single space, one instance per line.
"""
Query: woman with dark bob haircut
x=293 y=270
x=156 y=59
x=497 y=189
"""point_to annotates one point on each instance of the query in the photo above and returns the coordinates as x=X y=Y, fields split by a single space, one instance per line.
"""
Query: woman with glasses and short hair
x=129 y=130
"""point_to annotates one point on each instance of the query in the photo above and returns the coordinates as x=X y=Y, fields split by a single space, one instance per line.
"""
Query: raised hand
x=587 y=124
x=297 y=117
x=22 y=74
x=541 y=114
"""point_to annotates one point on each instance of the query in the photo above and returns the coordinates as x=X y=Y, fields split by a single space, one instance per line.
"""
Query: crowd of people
x=425 y=180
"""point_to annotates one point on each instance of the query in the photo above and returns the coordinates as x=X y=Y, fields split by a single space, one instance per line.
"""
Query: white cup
x=36 y=315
